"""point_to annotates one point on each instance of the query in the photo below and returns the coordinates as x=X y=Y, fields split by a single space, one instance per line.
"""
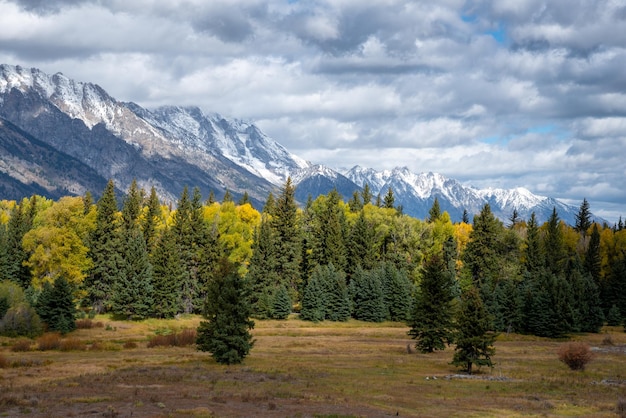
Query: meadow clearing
x=302 y=369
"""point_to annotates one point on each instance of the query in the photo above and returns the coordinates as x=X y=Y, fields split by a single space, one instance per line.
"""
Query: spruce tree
x=389 y=200
x=20 y=222
x=398 y=292
x=355 y=204
x=465 y=217
x=133 y=290
x=151 y=220
x=336 y=292
x=555 y=255
x=362 y=248
x=288 y=238
x=328 y=233
x=313 y=301
x=474 y=338
x=281 y=307
x=368 y=298
x=168 y=272
x=431 y=321
x=226 y=331
x=105 y=251
x=55 y=306
x=583 y=218
x=263 y=269
x=366 y=194
x=593 y=258
x=435 y=211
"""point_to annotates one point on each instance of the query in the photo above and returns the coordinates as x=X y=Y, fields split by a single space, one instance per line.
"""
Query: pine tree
x=465 y=217
x=313 y=301
x=474 y=339
x=151 y=219
x=132 y=290
x=281 y=307
x=431 y=321
x=398 y=292
x=226 y=331
x=514 y=218
x=368 y=298
x=336 y=292
x=131 y=208
x=186 y=246
x=263 y=270
x=245 y=198
x=328 y=234
x=583 y=218
x=355 y=204
x=105 y=251
x=389 y=200
x=167 y=274
x=593 y=259
x=481 y=256
x=362 y=249
x=20 y=222
x=553 y=243
x=55 y=306
x=288 y=238
x=366 y=194
x=435 y=211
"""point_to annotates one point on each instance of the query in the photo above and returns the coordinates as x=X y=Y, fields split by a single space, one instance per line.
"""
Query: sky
x=523 y=93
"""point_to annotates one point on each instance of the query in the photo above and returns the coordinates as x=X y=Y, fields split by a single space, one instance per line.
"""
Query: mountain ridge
x=171 y=147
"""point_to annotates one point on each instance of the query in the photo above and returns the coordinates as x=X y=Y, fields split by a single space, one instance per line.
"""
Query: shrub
x=21 y=346
x=575 y=354
x=85 y=323
x=49 y=341
x=72 y=344
x=130 y=344
x=4 y=363
x=21 y=320
x=184 y=338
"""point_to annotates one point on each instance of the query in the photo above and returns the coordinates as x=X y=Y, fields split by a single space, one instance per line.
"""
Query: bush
x=575 y=354
x=21 y=320
x=85 y=323
x=21 y=346
x=130 y=345
x=49 y=341
x=4 y=363
x=184 y=338
x=72 y=344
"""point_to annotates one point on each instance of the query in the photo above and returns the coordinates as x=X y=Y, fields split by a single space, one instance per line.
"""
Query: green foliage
x=281 y=307
x=328 y=239
x=614 y=318
x=362 y=248
x=167 y=274
x=474 y=339
x=398 y=292
x=226 y=334
x=389 y=199
x=12 y=293
x=326 y=296
x=132 y=289
x=583 y=218
x=4 y=305
x=21 y=320
x=435 y=211
x=55 y=306
x=431 y=321
x=368 y=298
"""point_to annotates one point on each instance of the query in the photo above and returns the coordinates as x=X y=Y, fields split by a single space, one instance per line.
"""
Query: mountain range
x=63 y=137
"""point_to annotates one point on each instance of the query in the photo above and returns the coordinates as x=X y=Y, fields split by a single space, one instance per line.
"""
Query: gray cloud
x=528 y=93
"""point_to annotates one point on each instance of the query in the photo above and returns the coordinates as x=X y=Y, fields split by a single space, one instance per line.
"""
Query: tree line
x=328 y=260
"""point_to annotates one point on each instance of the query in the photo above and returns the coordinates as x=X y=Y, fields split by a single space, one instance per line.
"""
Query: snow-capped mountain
x=93 y=138
x=416 y=193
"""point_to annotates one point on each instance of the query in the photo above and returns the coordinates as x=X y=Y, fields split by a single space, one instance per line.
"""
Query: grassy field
x=300 y=369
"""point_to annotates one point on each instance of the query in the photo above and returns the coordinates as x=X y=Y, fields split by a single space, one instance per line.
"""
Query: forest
x=329 y=260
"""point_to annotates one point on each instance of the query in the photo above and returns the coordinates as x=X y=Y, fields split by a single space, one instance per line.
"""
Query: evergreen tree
x=244 y=199
x=328 y=234
x=435 y=211
x=281 y=307
x=133 y=290
x=362 y=250
x=366 y=194
x=288 y=238
x=533 y=256
x=368 y=298
x=481 y=254
x=583 y=218
x=4 y=306
x=588 y=315
x=474 y=339
x=555 y=255
x=151 y=219
x=593 y=259
x=87 y=202
x=514 y=218
x=355 y=204
x=167 y=274
x=263 y=270
x=465 y=217
x=614 y=318
x=226 y=331
x=431 y=321
x=14 y=267
x=105 y=251
x=182 y=227
x=211 y=199
x=398 y=292
x=228 y=197
x=336 y=292
x=55 y=306
x=389 y=200
x=131 y=208
x=313 y=301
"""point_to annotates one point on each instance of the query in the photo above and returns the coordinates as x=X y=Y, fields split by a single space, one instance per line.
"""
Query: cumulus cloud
x=528 y=93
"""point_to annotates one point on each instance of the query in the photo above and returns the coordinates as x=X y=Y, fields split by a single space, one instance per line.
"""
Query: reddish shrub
x=49 y=341
x=21 y=345
x=72 y=344
x=85 y=323
x=575 y=354
x=130 y=344
x=4 y=362
x=184 y=338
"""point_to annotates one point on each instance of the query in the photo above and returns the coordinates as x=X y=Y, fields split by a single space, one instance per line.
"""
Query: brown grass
x=49 y=341
x=21 y=346
x=575 y=354
x=183 y=338
x=298 y=368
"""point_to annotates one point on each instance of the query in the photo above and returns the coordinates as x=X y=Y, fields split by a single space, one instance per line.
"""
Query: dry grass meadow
x=301 y=369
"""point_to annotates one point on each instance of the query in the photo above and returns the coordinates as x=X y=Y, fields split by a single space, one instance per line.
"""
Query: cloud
x=527 y=93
